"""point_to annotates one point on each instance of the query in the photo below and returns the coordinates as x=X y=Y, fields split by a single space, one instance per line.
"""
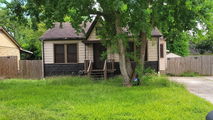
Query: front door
x=98 y=50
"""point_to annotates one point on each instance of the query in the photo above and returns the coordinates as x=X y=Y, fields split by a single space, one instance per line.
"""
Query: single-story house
x=65 y=51
x=9 y=46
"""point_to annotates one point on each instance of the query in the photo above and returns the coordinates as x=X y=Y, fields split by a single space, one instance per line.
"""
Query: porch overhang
x=91 y=41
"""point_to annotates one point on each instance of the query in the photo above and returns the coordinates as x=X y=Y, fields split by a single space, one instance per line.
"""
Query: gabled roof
x=156 y=32
x=65 y=31
x=14 y=41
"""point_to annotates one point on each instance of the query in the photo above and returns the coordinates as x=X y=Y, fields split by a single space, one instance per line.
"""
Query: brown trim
x=62 y=63
x=64 y=39
x=65 y=53
x=156 y=35
x=91 y=41
x=78 y=53
x=43 y=59
x=146 y=52
x=162 y=50
x=158 y=54
x=92 y=27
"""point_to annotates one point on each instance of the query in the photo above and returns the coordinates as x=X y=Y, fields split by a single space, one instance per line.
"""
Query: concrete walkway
x=200 y=86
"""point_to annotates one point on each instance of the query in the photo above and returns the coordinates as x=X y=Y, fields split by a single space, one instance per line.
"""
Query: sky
x=2 y=5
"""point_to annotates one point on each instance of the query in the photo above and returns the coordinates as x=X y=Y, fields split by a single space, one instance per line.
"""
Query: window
x=59 y=53
x=161 y=51
x=65 y=53
x=72 y=53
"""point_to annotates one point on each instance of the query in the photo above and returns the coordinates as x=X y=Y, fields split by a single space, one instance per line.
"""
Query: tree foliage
x=27 y=37
x=204 y=40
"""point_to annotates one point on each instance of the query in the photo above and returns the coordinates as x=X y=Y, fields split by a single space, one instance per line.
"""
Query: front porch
x=98 y=63
x=91 y=70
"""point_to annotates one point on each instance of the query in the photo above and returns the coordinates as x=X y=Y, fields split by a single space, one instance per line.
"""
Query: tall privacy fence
x=11 y=67
x=199 y=64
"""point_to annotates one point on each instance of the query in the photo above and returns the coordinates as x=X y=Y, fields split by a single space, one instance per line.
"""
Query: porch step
x=97 y=74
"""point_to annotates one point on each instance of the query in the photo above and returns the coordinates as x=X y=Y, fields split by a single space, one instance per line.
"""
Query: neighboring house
x=65 y=51
x=172 y=55
x=9 y=46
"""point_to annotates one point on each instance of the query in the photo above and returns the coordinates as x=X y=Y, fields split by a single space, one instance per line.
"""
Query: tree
x=178 y=42
x=204 y=40
x=23 y=33
x=137 y=16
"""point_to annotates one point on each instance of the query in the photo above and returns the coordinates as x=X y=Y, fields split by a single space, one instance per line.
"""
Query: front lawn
x=70 y=98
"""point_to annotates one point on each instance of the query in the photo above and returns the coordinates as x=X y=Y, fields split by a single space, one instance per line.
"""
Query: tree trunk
x=124 y=63
x=129 y=67
x=143 y=39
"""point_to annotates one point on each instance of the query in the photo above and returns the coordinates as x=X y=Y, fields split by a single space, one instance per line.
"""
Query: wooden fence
x=199 y=64
x=30 y=69
x=10 y=67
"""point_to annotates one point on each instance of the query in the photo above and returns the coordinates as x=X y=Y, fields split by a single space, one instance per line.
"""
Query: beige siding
x=49 y=50
x=81 y=52
x=163 y=61
x=89 y=52
x=9 y=52
x=153 y=50
x=114 y=56
x=6 y=41
x=7 y=47
x=93 y=36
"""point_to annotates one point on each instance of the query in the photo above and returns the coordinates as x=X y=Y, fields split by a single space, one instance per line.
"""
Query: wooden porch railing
x=108 y=67
x=88 y=67
x=105 y=69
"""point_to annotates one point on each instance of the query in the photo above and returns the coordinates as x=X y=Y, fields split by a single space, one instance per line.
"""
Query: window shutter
x=72 y=53
x=59 y=53
x=161 y=50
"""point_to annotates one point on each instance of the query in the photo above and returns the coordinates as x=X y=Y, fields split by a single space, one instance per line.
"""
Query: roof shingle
x=65 y=31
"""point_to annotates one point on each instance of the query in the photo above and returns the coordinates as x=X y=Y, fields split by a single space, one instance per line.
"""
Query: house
x=9 y=46
x=172 y=55
x=65 y=52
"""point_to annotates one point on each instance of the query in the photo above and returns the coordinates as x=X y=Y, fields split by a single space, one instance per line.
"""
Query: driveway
x=200 y=86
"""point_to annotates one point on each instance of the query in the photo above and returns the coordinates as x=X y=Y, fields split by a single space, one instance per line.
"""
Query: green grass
x=187 y=74
x=190 y=74
x=79 y=98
